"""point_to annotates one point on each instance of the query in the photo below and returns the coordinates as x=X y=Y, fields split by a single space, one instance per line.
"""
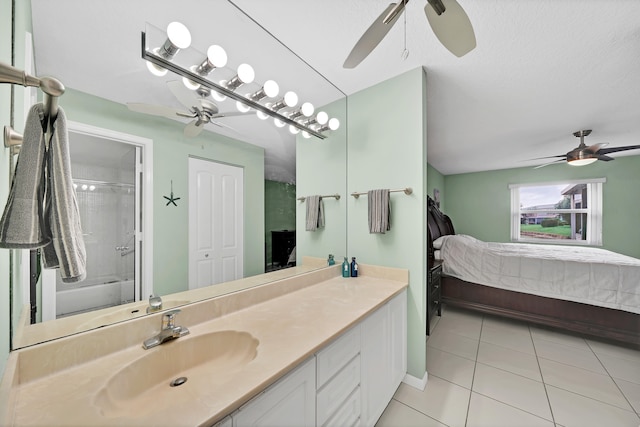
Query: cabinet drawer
x=349 y=414
x=335 y=356
x=336 y=391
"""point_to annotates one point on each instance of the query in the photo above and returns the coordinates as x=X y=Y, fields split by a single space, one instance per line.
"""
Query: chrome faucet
x=155 y=304
x=168 y=332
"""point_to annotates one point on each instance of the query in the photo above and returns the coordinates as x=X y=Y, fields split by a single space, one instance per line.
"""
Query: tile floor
x=488 y=371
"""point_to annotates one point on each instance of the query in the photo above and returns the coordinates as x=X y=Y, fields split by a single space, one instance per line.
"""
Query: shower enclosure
x=104 y=175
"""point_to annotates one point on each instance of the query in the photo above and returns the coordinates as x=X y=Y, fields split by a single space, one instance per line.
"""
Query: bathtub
x=94 y=294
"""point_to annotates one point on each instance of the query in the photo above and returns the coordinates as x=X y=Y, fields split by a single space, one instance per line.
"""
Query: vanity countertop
x=290 y=328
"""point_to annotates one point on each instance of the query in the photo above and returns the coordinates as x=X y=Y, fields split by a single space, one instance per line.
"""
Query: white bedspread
x=575 y=273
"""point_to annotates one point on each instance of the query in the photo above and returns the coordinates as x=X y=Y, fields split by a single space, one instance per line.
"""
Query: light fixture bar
x=197 y=78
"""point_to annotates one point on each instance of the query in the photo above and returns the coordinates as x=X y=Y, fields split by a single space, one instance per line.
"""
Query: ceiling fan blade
x=605 y=158
x=194 y=128
x=453 y=27
x=155 y=110
x=229 y=114
x=372 y=37
x=222 y=125
x=563 y=156
x=182 y=94
x=550 y=163
x=596 y=147
x=616 y=149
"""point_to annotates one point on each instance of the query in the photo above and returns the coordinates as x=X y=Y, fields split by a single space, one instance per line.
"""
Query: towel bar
x=406 y=191
x=335 y=196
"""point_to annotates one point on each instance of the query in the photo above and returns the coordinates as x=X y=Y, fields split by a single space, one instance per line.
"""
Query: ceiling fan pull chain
x=405 y=52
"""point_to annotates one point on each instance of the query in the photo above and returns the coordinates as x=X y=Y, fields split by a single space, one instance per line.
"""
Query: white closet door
x=216 y=221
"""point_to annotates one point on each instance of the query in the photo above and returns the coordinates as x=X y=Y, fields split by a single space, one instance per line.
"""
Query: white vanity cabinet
x=348 y=383
x=383 y=357
x=291 y=402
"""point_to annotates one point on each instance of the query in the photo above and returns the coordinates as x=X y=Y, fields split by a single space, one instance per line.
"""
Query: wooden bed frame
x=572 y=316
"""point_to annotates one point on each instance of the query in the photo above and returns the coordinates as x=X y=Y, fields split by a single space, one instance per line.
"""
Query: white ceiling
x=542 y=69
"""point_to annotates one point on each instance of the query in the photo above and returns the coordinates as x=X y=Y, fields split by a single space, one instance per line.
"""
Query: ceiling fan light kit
x=584 y=155
x=162 y=59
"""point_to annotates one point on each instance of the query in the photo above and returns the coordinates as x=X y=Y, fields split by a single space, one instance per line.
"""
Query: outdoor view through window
x=554 y=212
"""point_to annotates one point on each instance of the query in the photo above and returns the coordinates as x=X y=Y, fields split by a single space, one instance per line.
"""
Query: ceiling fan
x=448 y=21
x=583 y=154
x=199 y=108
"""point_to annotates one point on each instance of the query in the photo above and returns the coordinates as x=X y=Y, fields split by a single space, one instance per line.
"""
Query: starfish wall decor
x=171 y=199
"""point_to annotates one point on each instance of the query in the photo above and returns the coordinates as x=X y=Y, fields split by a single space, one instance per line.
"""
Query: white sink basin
x=147 y=381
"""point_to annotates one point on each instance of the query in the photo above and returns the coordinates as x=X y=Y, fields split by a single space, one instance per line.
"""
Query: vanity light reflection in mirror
x=171 y=149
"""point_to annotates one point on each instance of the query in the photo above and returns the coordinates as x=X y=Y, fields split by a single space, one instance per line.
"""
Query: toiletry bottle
x=330 y=260
x=354 y=267
x=345 y=268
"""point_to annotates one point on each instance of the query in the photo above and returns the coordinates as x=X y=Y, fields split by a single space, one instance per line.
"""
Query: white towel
x=42 y=210
x=379 y=211
x=315 y=213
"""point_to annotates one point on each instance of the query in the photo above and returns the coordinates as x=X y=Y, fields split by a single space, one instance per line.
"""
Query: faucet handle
x=168 y=318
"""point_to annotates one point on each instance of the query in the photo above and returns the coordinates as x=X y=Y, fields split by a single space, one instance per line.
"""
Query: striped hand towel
x=22 y=224
x=379 y=211
x=315 y=213
x=66 y=249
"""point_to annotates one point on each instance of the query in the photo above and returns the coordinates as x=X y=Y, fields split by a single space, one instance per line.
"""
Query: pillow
x=437 y=255
x=437 y=244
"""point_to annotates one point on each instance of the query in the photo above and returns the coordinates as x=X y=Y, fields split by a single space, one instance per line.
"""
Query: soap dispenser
x=354 y=267
x=345 y=268
x=331 y=260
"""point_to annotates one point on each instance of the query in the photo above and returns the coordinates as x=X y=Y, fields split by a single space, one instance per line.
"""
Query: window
x=568 y=212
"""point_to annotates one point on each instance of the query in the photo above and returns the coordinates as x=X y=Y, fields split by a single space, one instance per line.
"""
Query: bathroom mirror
x=102 y=68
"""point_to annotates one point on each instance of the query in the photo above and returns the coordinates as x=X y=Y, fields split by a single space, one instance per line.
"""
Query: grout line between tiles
x=546 y=391
x=473 y=376
x=420 y=412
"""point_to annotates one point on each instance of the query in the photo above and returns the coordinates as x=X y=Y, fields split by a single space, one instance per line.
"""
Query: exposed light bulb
x=290 y=99
x=154 y=69
x=217 y=56
x=334 y=124
x=190 y=84
x=294 y=130
x=217 y=95
x=306 y=134
x=179 y=35
x=279 y=123
x=246 y=73
x=271 y=88
x=242 y=107
x=92 y=187
x=261 y=115
x=322 y=118
x=307 y=109
x=84 y=186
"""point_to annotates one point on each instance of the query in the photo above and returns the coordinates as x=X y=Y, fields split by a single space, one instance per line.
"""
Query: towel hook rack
x=51 y=87
x=407 y=191
x=335 y=196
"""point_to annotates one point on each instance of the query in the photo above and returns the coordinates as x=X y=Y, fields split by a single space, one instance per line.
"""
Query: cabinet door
x=375 y=362
x=291 y=402
x=383 y=357
x=398 y=330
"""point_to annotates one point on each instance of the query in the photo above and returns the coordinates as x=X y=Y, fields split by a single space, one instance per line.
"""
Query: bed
x=619 y=321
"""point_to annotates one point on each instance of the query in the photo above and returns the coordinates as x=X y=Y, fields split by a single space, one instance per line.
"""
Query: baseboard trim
x=415 y=382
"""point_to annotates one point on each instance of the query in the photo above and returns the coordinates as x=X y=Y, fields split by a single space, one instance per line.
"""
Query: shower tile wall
x=107 y=218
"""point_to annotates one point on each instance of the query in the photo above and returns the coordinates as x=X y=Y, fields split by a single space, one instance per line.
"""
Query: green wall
x=321 y=169
x=479 y=203
x=171 y=150
x=389 y=150
x=279 y=210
